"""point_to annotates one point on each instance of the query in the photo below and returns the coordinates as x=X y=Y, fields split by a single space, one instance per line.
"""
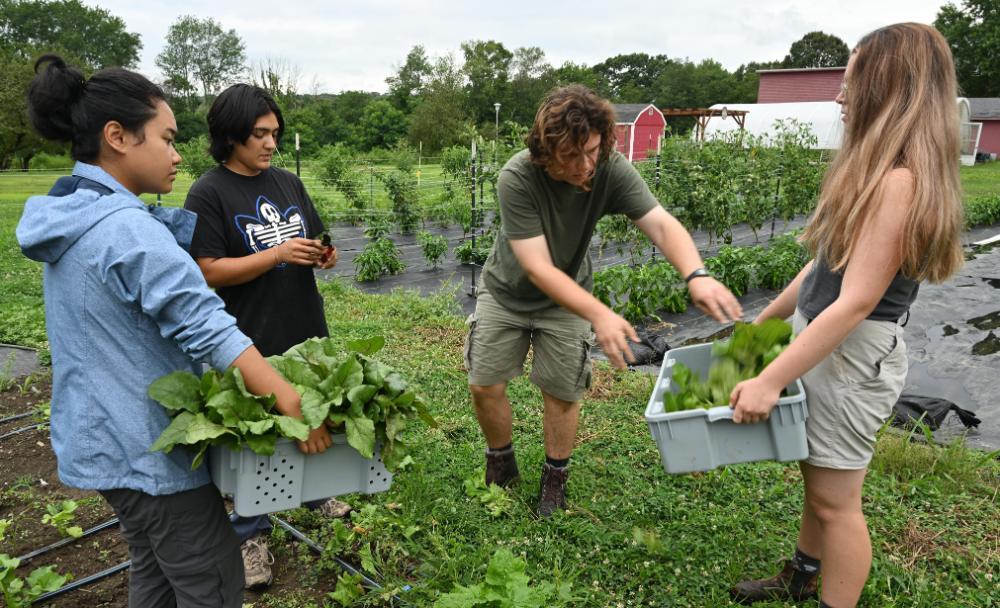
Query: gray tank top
x=822 y=286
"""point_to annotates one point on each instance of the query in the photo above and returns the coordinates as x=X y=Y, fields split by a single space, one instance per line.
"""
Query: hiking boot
x=553 y=489
x=789 y=584
x=257 y=562
x=501 y=468
x=334 y=508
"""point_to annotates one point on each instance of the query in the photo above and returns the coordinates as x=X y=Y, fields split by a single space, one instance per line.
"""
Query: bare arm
x=226 y=272
x=783 y=306
x=613 y=332
x=868 y=274
x=261 y=379
x=673 y=240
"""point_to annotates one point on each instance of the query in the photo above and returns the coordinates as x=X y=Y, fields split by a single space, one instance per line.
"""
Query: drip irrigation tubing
x=299 y=536
x=23 y=429
x=65 y=541
x=15 y=417
x=84 y=581
x=367 y=580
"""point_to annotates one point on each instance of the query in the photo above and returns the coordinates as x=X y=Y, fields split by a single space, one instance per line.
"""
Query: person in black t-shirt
x=256 y=243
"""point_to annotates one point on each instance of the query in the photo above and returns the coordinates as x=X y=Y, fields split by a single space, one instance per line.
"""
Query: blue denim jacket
x=124 y=305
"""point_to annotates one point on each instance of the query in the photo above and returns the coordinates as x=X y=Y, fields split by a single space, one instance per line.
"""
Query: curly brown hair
x=564 y=123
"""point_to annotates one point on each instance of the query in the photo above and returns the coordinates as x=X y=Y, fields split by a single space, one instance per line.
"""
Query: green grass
x=933 y=511
x=981 y=180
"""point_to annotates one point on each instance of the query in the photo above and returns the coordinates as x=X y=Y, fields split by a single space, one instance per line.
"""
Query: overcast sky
x=356 y=45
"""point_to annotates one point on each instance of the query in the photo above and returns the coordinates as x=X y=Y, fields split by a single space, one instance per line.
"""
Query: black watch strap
x=697 y=272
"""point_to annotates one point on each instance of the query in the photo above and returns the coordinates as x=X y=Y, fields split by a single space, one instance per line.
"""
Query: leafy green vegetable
x=348 y=590
x=496 y=500
x=506 y=586
x=59 y=515
x=749 y=350
x=350 y=392
x=21 y=593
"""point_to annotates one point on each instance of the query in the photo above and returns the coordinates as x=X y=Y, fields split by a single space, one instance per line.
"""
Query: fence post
x=371 y=186
x=472 y=171
x=298 y=160
x=473 y=175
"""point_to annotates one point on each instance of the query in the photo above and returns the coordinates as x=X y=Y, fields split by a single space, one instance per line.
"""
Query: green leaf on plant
x=350 y=373
x=314 y=406
x=361 y=394
x=255 y=427
x=201 y=428
x=175 y=433
x=366 y=346
x=292 y=427
x=361 y=435
x=177 y=391
x=348 y=591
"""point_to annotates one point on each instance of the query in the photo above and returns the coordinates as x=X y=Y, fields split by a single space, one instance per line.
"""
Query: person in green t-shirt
x=537 y=282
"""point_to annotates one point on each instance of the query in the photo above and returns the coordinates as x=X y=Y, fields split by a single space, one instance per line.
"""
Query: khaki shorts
x=498 y=341
x=851 y=393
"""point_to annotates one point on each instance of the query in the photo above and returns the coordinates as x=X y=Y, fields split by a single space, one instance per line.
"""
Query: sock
x=804 y=569
x=506 y=448
x=804 y=563
x=558 y=463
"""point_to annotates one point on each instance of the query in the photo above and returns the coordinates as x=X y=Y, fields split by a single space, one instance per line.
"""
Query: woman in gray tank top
x=888 y=217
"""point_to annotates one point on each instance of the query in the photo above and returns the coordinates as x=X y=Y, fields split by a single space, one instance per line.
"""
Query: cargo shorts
x=498 y=341
x=851 y=393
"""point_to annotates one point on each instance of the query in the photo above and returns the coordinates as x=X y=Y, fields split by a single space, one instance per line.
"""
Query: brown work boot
x=553 y=492
x=789 y=584
x=501 y=468
x=257 y=562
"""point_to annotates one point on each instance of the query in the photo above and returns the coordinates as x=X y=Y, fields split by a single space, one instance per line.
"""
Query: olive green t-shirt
x=534 y=204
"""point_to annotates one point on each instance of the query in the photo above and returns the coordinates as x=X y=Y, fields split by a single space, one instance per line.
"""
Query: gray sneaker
x=257 y=562
x=334 y=508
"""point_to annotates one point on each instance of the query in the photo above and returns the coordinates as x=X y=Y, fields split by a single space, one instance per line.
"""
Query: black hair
x=233 y=115
x=65 y=106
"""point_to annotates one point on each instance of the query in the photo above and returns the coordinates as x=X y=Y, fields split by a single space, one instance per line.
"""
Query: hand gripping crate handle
x=722 y=412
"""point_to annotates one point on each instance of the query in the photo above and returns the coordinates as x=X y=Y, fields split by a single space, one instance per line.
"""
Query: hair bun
x=53 y=92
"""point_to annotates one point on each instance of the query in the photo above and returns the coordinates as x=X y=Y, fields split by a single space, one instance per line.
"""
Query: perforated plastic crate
x=700 y=439
x=288 y=478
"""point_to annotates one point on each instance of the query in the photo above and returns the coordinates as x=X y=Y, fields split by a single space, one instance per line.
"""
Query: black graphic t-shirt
x=239 y=215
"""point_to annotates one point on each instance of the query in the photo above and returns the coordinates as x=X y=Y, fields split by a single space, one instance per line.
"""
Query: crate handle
x=722 y=412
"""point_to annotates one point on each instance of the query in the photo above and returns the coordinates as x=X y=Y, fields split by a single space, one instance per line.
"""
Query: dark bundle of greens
x=748 y=351
x=351 y=393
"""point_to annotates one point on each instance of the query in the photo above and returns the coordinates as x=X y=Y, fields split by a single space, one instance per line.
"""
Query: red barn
x=986 y=110
x=800 y=84
x=638 y=128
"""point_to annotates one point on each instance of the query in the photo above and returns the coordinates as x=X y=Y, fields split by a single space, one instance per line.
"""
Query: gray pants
x=183 y=549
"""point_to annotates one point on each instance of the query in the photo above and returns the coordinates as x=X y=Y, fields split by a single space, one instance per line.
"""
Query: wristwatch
x=697 y=272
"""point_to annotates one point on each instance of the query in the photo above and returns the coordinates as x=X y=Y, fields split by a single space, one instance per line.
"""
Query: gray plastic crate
x=288 y=478
x=701 y=440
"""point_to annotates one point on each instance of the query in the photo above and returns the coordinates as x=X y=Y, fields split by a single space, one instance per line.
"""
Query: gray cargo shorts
x=851 y=393
x=498 y=341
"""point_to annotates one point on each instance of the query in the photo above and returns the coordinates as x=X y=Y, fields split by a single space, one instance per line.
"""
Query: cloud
x=357 y=45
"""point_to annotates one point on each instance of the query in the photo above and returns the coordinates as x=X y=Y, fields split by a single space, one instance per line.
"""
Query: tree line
x=431 y=102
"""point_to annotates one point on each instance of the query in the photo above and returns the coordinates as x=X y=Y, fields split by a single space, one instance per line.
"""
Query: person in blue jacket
x=124 y=305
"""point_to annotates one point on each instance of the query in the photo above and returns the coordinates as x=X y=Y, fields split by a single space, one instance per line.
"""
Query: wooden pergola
x=703 y=115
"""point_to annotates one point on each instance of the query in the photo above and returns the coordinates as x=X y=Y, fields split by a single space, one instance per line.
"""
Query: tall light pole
x=496 y=138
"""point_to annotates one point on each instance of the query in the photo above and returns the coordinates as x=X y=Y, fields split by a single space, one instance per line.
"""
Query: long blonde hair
x=902 y=112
